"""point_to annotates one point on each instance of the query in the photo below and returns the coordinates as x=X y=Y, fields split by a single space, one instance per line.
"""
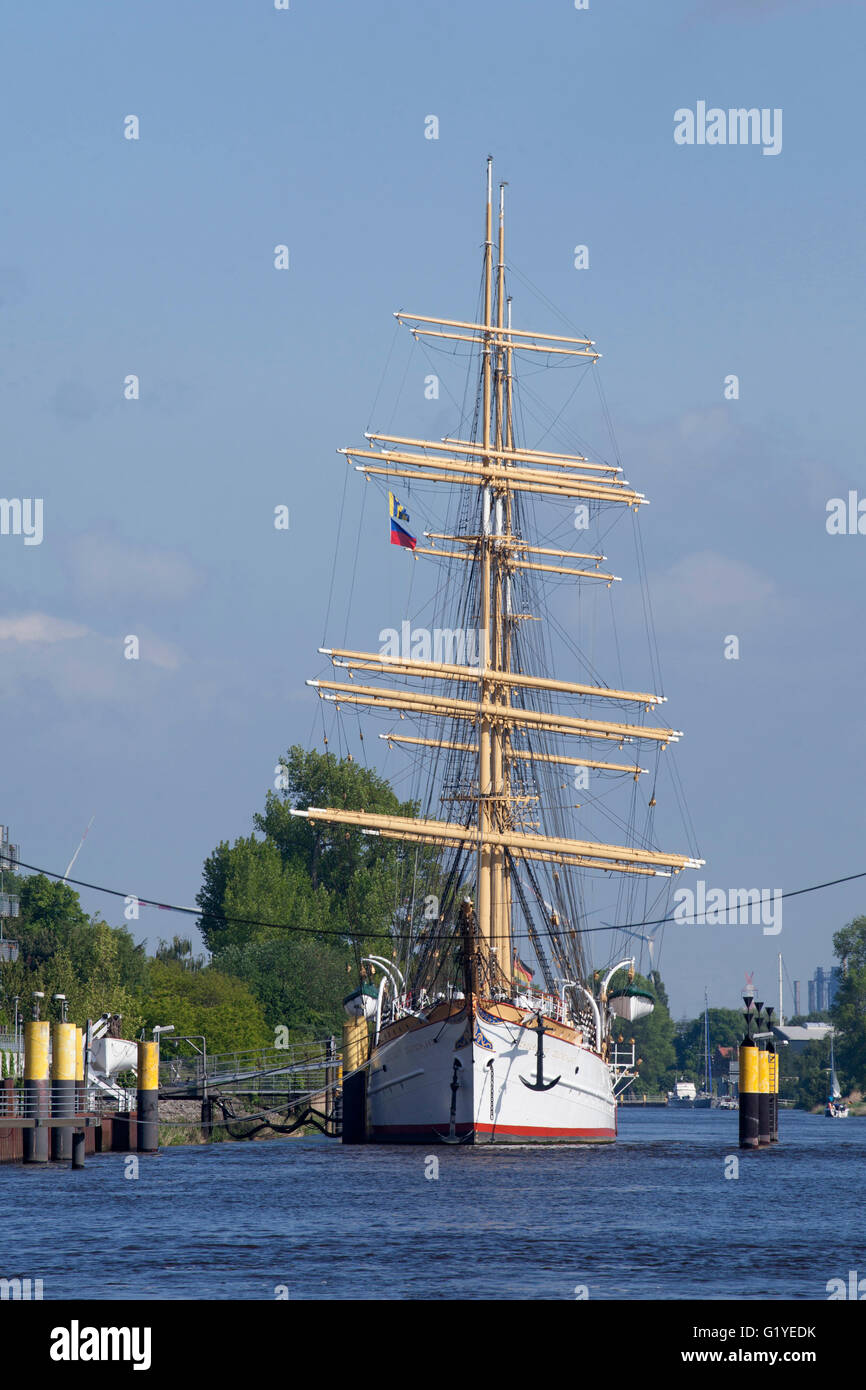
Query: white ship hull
x=409 y=1096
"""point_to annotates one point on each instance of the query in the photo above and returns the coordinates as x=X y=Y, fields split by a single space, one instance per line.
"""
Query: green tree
x=179 y=949
x=849 y=1008
x=99 y=968
x=257 y=885
x=320 y=884
x=805 y=1074
x=298 y=982
x=726 y=1030
x=204 y=1002
x=299 y=976
x=333 y=855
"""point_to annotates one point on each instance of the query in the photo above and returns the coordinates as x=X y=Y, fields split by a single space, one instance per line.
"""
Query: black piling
x=78 y=1144
x=37 y=1097
x=64 y=1037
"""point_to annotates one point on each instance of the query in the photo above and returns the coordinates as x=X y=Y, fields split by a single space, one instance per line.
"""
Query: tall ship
x=482 y=1017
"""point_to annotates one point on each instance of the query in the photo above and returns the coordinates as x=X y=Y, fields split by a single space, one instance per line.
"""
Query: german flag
x=522 y=972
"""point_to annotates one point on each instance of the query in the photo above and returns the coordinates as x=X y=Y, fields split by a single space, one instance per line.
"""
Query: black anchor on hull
x=539 y=1084
x=452 y=1137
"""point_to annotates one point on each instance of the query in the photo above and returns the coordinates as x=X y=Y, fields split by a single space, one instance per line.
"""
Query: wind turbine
x=78 y=851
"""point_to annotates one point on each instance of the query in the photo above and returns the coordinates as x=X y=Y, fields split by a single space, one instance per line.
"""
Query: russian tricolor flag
x=399 y=534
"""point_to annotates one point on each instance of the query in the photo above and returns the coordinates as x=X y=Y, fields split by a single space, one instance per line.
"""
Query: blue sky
x=306 y=127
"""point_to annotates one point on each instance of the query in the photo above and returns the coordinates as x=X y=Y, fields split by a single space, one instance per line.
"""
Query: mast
x=485 y=871
x=781 y=1015
x=501 y=890
x=501 y=718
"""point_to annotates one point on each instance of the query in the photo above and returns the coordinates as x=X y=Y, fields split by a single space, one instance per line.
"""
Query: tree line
x=335 y=893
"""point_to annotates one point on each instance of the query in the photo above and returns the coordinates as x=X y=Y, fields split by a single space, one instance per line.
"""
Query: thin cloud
x=41 y=628
x=708 y=588
x=104 y=566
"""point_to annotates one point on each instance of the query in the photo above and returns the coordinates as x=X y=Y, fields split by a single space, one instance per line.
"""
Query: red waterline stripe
x=501 y=1131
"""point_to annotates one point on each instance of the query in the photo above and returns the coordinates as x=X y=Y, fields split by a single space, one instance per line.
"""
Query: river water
x=654 y=1216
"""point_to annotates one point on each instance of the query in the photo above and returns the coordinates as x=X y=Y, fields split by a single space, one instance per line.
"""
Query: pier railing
x=299 y=1068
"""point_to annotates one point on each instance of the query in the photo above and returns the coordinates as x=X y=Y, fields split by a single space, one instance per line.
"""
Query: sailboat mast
x=501 y=890
x=485 y=732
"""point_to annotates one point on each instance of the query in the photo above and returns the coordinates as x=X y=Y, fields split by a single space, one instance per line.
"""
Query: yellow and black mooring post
x=749 y=1138
x=763 y=1078
x=148 y=1097
x=36 y=1092
x=79 y=1071
x=63 y=1041
x=763 y=1096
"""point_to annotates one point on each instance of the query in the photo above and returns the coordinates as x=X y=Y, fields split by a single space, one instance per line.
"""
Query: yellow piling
x=763 y=1097
x=148 y=1097
x=356 y=1044
x=63 y=1038
x=79 y=1070
x=36 y=1092
x=749 y=1066
x=355 y=1041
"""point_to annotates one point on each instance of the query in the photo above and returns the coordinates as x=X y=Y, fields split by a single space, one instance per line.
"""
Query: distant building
x=726 y=1070
x=798 y=1037
x=823 y=988
x=796 y=998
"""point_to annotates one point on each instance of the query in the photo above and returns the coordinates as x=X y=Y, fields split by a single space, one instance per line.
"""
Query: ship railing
x=404 y=1005
x=548 y=1005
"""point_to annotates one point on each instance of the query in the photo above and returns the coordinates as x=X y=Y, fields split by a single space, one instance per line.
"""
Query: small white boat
x=682 y=1097
x=837 y=1108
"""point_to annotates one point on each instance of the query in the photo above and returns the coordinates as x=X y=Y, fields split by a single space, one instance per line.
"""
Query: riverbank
x=180 y=1122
